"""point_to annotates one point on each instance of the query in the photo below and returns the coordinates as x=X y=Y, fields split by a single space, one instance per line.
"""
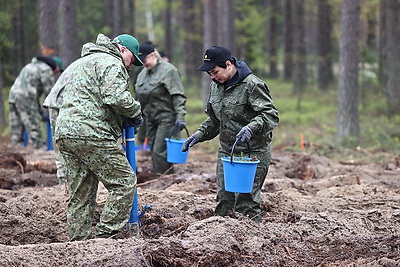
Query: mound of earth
x=316 y=212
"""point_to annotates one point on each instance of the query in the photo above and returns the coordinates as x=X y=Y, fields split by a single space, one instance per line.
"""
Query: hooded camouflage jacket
x=97 y=95
x=34 y=80
x=161 y=94
x=244 y=100
x=55 y=97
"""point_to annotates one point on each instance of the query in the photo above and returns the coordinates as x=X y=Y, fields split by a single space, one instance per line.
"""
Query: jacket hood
x=243 y=70
x=103 y=45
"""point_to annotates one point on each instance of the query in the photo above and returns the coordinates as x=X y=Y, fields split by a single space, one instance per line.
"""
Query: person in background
x=26 y=114
x=96 y=103
x=164 y=56
x=160 y=91
x=141 y=132
x=239 y=107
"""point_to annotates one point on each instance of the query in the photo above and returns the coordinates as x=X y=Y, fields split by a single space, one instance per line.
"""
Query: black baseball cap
x=145 y=49
x=214 y=56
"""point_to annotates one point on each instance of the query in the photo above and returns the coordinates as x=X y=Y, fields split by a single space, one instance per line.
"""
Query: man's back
x=96 y=95
x=31 y=82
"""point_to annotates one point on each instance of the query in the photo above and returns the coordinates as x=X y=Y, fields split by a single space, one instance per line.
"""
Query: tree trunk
x=49 y=27
x=208 y=40
x=347 y=116
x=69 y=45
x=299 y=77
x=118 y=18
x=131 y=18
x=272 y=39
x=230 y=6
x=288 y=40
x=393 y=49
x=149 y=20
x=324 y=45
x=225 y=27
x=168 y=42
x=109 y=14
x=382 y=44
x=19 y=40
x=192 y=45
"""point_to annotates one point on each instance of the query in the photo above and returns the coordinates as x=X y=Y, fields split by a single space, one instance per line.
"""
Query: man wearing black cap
x=239 y=108
x=34 y=80
x=160 y=91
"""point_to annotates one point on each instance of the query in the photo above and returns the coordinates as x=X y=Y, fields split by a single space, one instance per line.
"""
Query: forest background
x=332 y=66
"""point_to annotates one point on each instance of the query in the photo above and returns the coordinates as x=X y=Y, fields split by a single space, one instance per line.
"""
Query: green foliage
x=92 y=15
x=6 y=11
x=5 y=130
x=251 y=30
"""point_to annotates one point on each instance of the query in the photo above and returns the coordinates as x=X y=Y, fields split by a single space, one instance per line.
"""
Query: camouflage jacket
x=231 y=107
x=96 y=95
x=161 y=94
x=34 y=80
x=55 y=98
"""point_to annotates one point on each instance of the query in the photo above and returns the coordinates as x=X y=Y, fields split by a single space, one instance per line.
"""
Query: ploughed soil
x=316 y=212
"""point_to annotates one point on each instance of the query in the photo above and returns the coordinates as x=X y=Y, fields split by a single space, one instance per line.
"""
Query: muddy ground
x=316 y=212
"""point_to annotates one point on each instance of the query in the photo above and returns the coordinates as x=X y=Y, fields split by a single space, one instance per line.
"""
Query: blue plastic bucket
x=174 y=151
x=239 y=175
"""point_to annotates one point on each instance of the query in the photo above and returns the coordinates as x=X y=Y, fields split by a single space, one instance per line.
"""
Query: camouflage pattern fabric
x=89 y=162
x=229 y=109
x=24 y=117
x=53 y=102
x=34 y=80
x=97 y=96
x=95 y=99
x=55 y=98
x=161 y=94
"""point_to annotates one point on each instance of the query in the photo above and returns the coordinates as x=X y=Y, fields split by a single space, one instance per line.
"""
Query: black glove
x=133 y=122
x=191 y=141
x=45 y=115
x=180 y=124
x=244 y=134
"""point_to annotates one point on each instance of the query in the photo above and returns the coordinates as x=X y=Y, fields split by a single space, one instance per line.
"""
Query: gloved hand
x=133 y=122
x=180 y=125
x=191 y=141
x=244 y=134
x=45 y=115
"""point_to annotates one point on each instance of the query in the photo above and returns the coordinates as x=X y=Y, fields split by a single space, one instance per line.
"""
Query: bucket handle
x=173 y=129
x=234 y=145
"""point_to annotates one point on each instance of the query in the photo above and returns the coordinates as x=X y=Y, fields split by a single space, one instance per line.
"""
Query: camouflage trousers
x=245 y=203
x=53 y=114
x=156 y=134
x=25 y=115
x=86 y=163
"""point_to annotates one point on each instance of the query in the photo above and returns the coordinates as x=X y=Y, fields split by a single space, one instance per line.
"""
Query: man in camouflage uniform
x=96 y=101
x=53 y=102
x=34 y=80
x=239 y=107
x=160 y=91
